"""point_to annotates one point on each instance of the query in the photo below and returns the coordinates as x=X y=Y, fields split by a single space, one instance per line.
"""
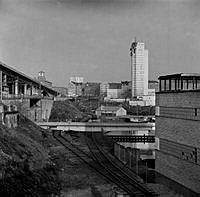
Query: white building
x=111 y=90
x=75 y=86
x=76 y=79
x=114 y=93
x=110 y=111
x=139 y=69
x=103 y=88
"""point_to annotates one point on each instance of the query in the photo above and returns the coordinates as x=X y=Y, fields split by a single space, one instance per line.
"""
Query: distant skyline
x=92 y=38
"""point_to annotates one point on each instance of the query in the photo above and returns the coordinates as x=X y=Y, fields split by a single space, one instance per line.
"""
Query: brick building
x=178 y=129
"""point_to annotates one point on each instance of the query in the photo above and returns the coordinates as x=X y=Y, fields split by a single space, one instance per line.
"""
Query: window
x=167 y=84
x=195 y=111
x=190 y=84
x=173 y=84
x=162 y=85
x=198 y=84
x=185 y=84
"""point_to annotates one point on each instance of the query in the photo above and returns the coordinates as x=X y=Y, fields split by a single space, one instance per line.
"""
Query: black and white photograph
x=99 y=98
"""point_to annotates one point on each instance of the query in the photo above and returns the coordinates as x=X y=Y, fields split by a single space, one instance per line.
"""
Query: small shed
x=110 y=111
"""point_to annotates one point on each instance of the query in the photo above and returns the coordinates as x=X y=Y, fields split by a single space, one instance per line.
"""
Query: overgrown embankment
x=64 y=111
x=33 y=164
x=26 y=167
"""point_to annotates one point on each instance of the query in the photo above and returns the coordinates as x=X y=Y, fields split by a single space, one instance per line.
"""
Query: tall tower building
x=139 y=69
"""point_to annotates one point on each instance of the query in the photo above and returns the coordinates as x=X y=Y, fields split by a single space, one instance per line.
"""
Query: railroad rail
x=107 y=166
x=129 y=181
x=82 y=156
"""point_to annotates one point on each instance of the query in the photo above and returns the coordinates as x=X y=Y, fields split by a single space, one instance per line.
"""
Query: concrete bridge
x=33 y=99
x=108 y=128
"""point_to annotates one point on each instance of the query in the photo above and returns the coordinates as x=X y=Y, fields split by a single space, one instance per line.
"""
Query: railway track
x=108 y=166
x=131 y=183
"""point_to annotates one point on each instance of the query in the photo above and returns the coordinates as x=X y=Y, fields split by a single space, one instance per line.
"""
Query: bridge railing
x=136 y=138
x=23 y=96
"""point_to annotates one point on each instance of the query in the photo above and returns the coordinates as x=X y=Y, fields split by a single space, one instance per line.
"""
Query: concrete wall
x=39 y=112
x=178 y=131
x=181 y=171
x=11 y=120
x=46 y=108
x=182 y=99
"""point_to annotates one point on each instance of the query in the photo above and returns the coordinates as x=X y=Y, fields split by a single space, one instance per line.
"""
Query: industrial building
x=178 y=129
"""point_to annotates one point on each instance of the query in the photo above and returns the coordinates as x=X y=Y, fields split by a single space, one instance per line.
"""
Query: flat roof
x=180 y=75
x=25 y=77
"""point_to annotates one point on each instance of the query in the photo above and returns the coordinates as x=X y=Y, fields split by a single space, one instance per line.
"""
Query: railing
x=136 y=138
x=22 y=96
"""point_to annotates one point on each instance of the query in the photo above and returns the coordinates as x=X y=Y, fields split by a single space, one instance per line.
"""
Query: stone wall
x=40 y=111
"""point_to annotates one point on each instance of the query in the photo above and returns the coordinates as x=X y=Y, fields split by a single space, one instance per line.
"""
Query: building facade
x=139 y=69
x=111 y=90
x=153 y=85
x=103 y=88
x=76 y=79
x=178 y=129
x=42 y=79
x=91 y=89
x=75 y=86
x=62 y=90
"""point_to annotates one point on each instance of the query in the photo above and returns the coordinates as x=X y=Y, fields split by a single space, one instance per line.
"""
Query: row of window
x=179 y=84
x=175 y=112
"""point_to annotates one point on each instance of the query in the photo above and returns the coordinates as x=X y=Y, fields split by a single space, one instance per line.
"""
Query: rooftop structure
x=179 y=82
x=78 y=80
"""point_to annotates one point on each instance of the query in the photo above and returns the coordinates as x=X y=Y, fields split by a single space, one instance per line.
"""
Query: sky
x=91 y=38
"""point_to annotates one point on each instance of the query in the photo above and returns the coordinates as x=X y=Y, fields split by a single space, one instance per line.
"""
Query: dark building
x=178 y=129
x=91 y=89
x=62 y=90
x=153 y=85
